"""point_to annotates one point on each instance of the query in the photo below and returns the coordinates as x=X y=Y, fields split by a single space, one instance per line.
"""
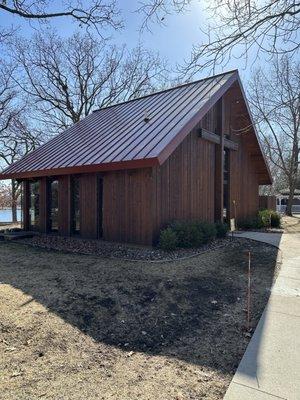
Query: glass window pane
x=34 y=207
x=53 y=222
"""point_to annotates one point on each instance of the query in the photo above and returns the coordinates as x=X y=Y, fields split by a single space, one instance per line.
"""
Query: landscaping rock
x=117 y=250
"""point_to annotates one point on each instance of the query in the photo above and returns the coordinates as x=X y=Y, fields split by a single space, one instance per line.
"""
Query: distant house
x=125 y=171
x=282 y=200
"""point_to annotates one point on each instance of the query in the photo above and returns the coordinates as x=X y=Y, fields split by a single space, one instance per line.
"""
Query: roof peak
x=167 y=90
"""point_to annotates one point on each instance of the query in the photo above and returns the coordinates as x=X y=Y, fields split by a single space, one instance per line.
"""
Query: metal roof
x=118 y=136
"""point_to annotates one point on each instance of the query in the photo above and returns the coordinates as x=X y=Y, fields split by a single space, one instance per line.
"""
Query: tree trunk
x=288 y=210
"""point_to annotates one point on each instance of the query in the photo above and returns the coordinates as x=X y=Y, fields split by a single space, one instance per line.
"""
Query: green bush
x=188 y=234
x=250 y=223
x=270 y=218
x=208 y=230
x=168 y=239
x=265 y=218
x=275 y=220
x=221 y=229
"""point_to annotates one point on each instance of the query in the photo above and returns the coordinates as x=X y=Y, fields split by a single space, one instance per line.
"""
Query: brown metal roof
x=118 y=137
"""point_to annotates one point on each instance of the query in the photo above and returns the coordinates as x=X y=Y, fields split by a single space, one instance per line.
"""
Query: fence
x=267 y=202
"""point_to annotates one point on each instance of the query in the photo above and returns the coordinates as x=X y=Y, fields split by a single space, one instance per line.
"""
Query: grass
x=75 y=326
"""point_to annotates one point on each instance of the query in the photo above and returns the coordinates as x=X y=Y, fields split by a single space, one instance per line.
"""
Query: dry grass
x=291 y=224
x=83 y=327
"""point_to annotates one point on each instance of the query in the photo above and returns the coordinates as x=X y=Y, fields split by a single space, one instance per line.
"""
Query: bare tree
x=16 y=141
x=68 y=78
x=10 y=110
x=275 y=100
x=5 y=196
x=93 y=13
x=157 y=10
x=8 y=96
x=269 y=26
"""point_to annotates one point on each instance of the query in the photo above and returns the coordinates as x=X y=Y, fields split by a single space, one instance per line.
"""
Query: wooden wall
x=267 y=202
x=243 y=184
x=243 y=181
x=88 y=206
x=183 y=187
x=127 y=206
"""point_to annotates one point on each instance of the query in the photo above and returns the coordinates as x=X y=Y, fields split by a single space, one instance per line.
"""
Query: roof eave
x=82 y=169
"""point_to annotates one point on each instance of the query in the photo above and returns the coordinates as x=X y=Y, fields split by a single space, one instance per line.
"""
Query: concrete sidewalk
x=270 y=368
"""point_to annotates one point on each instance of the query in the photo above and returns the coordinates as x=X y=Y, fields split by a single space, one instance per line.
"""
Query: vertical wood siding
x=88 y=206
x=184 y=185
x=243 y=181
x=127 y=206
x=267 y=202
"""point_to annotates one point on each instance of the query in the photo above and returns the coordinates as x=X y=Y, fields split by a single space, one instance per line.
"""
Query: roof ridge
x=167 y=90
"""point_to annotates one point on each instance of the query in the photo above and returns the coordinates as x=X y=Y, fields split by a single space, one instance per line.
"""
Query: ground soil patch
x=84 y=327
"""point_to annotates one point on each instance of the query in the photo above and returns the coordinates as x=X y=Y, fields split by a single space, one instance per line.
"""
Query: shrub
x=265 y=217
x=188 y=234
x=168 y=239
x=275 y=219
x=270 y=218
x=208 y=230
x=250 y=223
x=221 y=229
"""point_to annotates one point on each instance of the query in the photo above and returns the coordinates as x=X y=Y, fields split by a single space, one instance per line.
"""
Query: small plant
x=168 y=239
x=250 y=223
x=188 y=234
x=265 y=218
x=221 y=229
x=208 y=230
x=275 y=219
x=270 y=218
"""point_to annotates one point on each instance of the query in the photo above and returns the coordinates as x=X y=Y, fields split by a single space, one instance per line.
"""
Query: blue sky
x=173 y=41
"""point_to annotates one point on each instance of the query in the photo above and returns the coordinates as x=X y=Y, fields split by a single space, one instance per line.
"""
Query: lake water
x=5 y=215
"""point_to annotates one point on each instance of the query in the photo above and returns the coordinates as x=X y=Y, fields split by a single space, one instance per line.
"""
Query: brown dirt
x=83 y=327
x=291 y=224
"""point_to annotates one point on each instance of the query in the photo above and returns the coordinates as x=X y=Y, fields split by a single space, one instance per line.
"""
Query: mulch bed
x=118 y=250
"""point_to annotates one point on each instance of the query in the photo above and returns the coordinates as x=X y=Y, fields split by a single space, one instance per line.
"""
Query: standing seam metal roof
x=119 y=134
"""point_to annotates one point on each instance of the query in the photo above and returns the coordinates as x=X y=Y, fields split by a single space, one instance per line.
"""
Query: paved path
x=270 y=368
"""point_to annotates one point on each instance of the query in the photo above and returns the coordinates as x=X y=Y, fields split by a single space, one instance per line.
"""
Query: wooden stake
x=249 y=291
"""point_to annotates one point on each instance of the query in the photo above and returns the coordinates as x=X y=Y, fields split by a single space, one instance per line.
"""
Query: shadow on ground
x=192 y=310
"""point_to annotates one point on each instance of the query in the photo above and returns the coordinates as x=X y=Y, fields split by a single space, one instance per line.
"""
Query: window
x=75 y=205
x=34 y=205
x=53 y=205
